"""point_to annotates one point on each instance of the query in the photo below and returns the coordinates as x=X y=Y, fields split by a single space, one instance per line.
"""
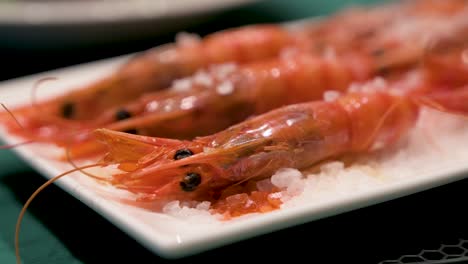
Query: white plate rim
x=105 y=11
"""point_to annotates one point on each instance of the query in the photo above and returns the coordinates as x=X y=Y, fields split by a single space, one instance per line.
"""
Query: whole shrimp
x=294 y=136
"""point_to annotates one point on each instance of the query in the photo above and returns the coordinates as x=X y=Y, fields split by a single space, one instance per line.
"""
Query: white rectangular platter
x=426 y=159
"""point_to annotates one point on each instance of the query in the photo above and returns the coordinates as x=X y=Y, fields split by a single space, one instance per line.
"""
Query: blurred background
x=37 y=36
x=40 y=35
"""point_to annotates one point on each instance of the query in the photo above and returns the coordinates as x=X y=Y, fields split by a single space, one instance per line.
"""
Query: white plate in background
x=49 y=23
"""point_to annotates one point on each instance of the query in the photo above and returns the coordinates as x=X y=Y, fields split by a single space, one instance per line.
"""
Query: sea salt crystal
x=265 y=185
x=248 y=203
x=171 y=207
x=187 y=39
x=332 y=168
x=203 y=78
x=188 y=102
x=284 y=177
x=379 y=84
x=189 y=210
x=296 y=187
x=203 y=206
x=288 y=52
x=223 y=70
x=225 y=88
x=275 y=195
x=354 y=87
x=182 y=85
x=152 y=106
x=330 y=96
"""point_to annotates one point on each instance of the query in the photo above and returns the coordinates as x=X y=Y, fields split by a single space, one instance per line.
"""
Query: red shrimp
x=294 y=136
x=159 y=170
x=211 y=104
x=259 y=87
x=156 y=68
x=297 y=136
x=410 y=38
x=99 y=107
x=377 y=28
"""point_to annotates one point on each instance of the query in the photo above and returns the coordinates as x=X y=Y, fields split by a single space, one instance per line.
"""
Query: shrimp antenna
x=34 y=103
x=433 y=104
x=20 y=125
x=28 y=202
x=379 y=125
x=73 y=164
x=36 y=86
x=12 y=115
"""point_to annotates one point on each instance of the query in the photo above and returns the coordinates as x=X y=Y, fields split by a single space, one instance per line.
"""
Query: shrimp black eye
x=190 y=182
x=122 y=114
x=68 y=110
x=182 y=153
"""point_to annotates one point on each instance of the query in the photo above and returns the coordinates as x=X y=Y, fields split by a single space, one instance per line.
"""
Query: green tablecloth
x=58 y=228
